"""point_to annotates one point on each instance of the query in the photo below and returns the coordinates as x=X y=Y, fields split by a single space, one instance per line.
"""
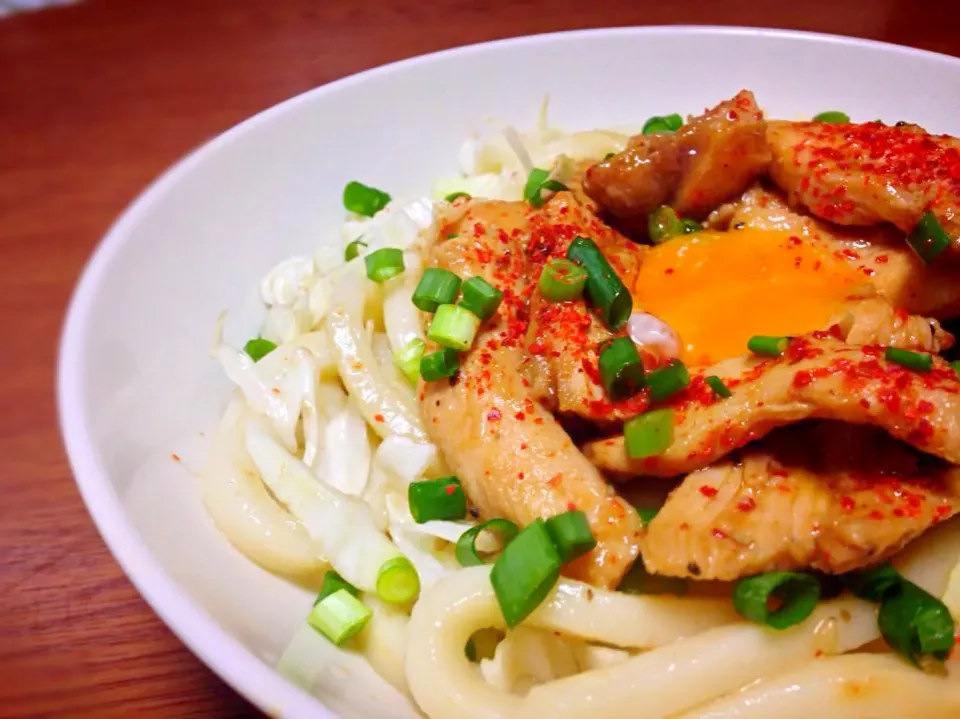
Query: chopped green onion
x=691 y=226
x=440 y=364
x=538 y=181
x=571 y=534
x=353 y=250
x=768 y=346
x=621 y=370
x=605 y=289
x=436 y=287
x=649 y=434
x=480 y=297
x=832 y=117
x=916 y=624
x=873 y=584
x=437 y=499
x=718 y=387
x=398 y=581
x=339 y=617
x=928 y=238
x=407 y=359
x=454 y=326
x=647 y=514
x=453 y=196
x=363 y=200
x=918 y=361
x=663 y=223
x=333 y=582
x=661 y=124
x=639 y=581
x=384 y=264
x=525 y=572
x=258 y=348
x=562 y=280
x=913 y=622
x=797 y=595
x=667 y=381
x=956 y=366
x=466 y=549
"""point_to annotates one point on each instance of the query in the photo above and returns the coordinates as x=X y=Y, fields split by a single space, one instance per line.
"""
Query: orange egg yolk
x=718 y=289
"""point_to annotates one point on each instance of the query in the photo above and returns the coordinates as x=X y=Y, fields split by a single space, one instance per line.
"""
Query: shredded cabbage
x=341 y=526
x=345 y=464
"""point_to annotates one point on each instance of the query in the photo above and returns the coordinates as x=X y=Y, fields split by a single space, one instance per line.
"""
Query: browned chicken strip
x=876 y=322
x=880 y=253
x=863 y=174
x=817 y=377
x=514 y=459
x=709 y=160
x=830 y=496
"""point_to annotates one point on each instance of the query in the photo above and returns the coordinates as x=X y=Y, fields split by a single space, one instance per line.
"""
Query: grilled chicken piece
x=818 y=377
x=876 y=322
x=564 y=337
x=829 y=496
x=864 y=174
x=709 y=160
x=511 y=455
x=880 y=253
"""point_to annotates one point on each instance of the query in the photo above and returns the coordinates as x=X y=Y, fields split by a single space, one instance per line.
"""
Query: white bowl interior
x=136 y=383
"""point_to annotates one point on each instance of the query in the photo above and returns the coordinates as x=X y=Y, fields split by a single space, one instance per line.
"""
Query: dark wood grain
x=95 y=100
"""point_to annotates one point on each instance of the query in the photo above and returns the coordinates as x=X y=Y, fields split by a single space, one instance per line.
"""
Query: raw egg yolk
x=718 y=289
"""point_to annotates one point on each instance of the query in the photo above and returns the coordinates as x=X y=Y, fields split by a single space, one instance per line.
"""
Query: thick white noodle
x=683 y=674
x=383 y=641
x=242 y=508
x=929 y=561
x=852 y=686
x=387 y=411
x=445 y=684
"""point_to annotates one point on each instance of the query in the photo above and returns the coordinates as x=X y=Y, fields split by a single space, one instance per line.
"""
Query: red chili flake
x=851 y=255
x=847 y=503
x=817 y=265
x=708 y=491
x=538 y=420
x=925 y=406
x=493 y=415
x=865 y=403
x=747 y=504
x=869 y=272
x=876 y=514
x=797 y=261
x=719 y=533
x=793 y=241
x=520 y=416
x=175 y=457
x=450 y=488
x=818 y=653
x=571 y=506
x=519 y=475
x=941 y=512
x=802 y=378
x=523 y=445
x=684 y=525
x=378 y=418
x=668 y=271
x=881 y=259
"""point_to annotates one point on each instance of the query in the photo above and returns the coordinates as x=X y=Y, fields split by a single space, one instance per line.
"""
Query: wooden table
x=95 y=100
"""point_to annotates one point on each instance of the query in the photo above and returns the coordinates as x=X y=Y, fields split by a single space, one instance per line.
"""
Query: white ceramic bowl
x=135 y=382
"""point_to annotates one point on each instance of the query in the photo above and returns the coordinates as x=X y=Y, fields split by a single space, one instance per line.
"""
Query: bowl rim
x=237 y=665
